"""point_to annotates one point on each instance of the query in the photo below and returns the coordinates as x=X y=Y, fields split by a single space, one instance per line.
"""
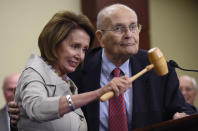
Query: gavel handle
x=110 y=94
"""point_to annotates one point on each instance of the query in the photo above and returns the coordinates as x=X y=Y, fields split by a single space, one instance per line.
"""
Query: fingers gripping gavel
x=157 y=61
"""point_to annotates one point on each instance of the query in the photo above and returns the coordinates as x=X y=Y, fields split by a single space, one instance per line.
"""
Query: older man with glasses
x=188 y=87
x=151 y=99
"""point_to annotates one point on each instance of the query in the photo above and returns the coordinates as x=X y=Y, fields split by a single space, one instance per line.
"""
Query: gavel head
x=157 y=59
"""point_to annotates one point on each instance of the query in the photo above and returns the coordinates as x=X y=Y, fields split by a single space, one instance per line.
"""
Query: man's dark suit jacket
x=4 y=119
x=155 y=98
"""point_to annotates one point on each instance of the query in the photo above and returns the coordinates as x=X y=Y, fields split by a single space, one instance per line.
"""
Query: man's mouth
x=128 y=44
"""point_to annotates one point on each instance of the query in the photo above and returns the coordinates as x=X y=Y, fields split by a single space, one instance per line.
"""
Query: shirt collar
x=108 y=66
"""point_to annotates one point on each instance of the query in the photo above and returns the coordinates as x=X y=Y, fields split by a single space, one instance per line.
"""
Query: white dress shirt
x=105 y=77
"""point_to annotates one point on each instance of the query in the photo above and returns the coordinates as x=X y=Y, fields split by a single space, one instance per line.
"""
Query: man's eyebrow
x=121 y=24
x=133 y=23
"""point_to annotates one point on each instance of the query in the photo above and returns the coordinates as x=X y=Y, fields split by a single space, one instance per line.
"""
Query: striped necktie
x=117 y=110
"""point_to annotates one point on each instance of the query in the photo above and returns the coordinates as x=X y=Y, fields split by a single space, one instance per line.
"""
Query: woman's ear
x=99 y=35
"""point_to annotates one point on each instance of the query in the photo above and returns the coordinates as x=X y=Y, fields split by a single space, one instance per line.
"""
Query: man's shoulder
x=94 y=52
x=3 y=109
x=93 y=57
x=3 y=113
x=142 y=53
x=141 y=56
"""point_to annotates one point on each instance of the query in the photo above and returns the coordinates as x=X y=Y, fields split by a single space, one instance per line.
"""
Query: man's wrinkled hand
x=178 y=115
x=13 y=111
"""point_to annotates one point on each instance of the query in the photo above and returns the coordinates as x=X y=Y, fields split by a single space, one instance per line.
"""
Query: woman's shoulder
x=37 y=69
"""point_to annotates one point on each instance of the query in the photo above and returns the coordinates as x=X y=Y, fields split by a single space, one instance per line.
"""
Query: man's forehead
x=186 y=82
x=121 y=13
x=121 y=19
x=11 y=83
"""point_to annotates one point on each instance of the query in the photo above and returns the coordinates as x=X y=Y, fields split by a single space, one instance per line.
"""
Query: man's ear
x=99 y=35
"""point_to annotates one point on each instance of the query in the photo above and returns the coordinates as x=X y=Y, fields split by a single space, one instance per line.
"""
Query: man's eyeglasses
x=187 y=89
x=121 y=29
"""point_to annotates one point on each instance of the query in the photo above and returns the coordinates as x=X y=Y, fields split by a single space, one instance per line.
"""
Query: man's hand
x=178 y=115
x=13 y=111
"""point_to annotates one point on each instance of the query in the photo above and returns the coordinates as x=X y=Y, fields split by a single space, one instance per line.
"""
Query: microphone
x=175 y=65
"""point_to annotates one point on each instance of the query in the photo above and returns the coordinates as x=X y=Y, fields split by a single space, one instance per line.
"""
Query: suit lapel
x=140 y=88
x=92 y=79
x=4 y=119
x=92 y=71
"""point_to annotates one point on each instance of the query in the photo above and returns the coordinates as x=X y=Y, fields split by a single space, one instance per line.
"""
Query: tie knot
x=116 y=72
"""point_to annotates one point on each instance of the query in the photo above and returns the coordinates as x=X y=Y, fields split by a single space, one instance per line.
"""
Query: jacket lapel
x=140 y=89
x=92 y=79
x=4 y=119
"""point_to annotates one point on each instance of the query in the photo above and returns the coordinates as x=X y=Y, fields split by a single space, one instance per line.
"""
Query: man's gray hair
x=105 y=11
x=191 y=79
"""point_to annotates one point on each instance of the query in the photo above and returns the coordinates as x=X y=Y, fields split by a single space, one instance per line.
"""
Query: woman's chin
x=70 y=70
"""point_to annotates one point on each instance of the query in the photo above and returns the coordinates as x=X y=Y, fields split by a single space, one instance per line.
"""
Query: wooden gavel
x=157 y=61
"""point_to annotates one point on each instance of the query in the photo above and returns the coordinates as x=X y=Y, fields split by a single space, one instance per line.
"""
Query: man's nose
x=184 y=92
x=128 y=32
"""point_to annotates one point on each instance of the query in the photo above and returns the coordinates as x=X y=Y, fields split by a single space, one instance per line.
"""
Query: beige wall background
x=21 y=22
x=173 y=29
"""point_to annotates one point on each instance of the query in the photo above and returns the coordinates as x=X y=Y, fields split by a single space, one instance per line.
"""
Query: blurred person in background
x=188 y=87
x=9 y=86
